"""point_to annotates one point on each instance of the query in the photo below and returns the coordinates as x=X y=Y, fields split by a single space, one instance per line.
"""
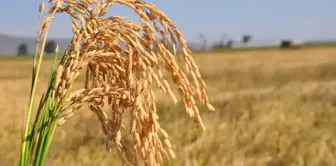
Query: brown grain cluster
x=123 y=61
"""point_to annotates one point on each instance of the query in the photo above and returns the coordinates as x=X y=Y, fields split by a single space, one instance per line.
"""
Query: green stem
x=47 y=108
x=43 y=133
x=37 y=120
x=26 y=142
x=22 y=157
x=48 y=141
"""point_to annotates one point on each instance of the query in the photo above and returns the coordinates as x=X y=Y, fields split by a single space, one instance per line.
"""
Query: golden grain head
x=123 y=74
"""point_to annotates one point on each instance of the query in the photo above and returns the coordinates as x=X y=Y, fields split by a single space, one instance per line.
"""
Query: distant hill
x=9 y=44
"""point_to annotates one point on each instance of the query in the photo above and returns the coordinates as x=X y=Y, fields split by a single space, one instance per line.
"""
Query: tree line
x=50 y=47
x=224 y=42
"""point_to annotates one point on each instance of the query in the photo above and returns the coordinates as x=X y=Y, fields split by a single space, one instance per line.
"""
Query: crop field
x=273 y=108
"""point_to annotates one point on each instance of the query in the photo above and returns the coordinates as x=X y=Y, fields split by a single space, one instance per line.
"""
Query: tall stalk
x=34 y=134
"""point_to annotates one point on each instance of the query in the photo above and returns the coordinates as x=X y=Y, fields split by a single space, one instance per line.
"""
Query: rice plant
x=123 y=61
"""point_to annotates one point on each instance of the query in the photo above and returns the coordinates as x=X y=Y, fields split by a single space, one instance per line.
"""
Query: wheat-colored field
x=274 y=108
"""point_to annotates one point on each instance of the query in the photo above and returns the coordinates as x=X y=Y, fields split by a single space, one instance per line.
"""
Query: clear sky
x=264 y=19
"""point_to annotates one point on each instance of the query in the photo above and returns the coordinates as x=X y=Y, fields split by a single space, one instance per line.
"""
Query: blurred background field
x=274 y=107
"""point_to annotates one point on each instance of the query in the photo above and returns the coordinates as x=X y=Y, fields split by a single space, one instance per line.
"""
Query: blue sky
x=264 y=19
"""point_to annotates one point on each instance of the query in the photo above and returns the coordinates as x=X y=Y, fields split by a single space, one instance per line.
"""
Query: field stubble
x=273 y=108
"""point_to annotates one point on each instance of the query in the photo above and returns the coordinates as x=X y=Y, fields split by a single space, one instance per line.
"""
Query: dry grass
x=274 y=108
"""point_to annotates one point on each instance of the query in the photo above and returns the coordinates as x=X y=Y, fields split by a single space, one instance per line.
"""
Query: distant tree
x=204 y=41
x=22 y=49
x=229 y=43
x=216 y=45
x=246 y=38
x=221 y=43
x=50 y=47
x=222 y=40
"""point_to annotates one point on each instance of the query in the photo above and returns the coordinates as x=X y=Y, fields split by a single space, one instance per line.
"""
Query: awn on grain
x=122 y=61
